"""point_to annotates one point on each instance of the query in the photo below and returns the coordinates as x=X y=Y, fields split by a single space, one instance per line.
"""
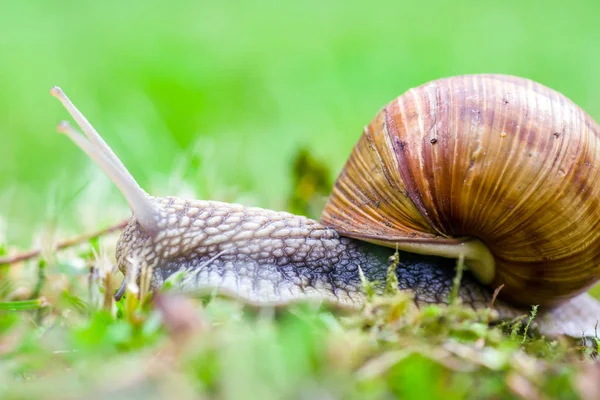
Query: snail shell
x=499 y=169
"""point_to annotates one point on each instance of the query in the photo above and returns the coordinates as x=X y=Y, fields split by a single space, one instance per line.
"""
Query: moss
x=172 y=346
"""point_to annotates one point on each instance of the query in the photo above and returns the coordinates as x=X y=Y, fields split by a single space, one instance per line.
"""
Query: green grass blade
x=22 y=305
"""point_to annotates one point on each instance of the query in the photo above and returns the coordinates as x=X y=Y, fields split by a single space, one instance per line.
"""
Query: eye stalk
x=143 y=207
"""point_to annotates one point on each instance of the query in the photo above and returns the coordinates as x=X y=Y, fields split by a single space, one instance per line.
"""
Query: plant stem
x=27 y=255
x=22 y=305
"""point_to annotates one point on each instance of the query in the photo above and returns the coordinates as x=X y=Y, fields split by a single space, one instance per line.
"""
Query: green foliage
x=391 y=280
x=169 y=346
x=224 y=94
x=533 y=314
x=21 y=305
x=368 y=287
x=103 y=335
x=460 y=267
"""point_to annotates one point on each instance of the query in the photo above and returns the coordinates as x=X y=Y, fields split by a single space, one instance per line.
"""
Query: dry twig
x=28 y=255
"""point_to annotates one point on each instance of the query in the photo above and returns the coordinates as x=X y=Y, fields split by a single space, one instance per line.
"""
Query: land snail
x=497 y=170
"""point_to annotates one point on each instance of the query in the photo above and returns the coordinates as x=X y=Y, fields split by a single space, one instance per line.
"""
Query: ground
x=62 y=336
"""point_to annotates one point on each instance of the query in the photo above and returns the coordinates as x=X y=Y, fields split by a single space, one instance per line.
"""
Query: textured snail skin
x=270 y=258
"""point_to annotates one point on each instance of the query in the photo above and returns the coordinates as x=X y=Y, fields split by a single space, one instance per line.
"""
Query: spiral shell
x=491 y=159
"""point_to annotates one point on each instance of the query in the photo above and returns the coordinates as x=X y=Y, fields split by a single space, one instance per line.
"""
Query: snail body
x=467 y=167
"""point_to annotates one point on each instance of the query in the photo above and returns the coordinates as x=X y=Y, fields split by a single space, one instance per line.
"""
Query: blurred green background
x=216 y=99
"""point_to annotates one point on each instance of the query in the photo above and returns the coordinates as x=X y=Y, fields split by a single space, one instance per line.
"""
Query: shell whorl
x=498 y=158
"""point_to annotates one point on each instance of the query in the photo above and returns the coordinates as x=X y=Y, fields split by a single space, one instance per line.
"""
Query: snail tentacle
x=141 y=204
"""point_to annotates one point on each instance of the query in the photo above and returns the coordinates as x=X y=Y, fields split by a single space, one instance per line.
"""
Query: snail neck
x=476 y=254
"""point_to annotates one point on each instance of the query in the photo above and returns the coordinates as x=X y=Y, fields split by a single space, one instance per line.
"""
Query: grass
x=220 y=98
x=73 y=341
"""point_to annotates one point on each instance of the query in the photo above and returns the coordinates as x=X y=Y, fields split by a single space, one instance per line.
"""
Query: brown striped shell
x=494 y=159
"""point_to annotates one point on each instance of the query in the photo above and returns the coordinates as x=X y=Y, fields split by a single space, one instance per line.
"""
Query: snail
x=497 y=170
